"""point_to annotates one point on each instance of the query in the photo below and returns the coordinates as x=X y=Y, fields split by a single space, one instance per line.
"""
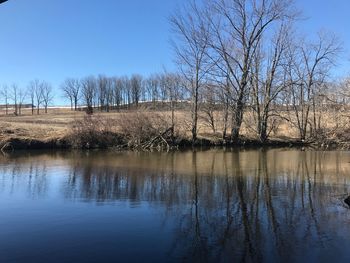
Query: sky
x=55 y=39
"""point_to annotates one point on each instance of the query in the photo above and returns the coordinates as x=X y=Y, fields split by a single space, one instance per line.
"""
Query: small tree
x=4 y=92
x=71 y=90
x=88 y=85
x=14 y=97
x=22 y=95
x=191 y=48
x=47 y=95
x=308 y=67
x=136 y=89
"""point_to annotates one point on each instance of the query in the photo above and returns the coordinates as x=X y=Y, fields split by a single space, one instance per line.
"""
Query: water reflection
x=249 y=206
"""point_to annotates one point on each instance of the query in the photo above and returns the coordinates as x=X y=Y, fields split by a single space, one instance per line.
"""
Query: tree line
x=96 y=92
x=39 y=93
x=115 y=93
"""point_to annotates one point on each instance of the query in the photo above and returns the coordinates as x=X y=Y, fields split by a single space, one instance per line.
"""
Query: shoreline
x=13 y=144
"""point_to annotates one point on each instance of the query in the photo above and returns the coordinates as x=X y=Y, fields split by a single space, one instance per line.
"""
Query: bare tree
x=109 y=94
x=191 y=47
x=118 y=93
x=32 y=87
x=237 y=27
x=35 y=90
x=267 y=79
x=47 y=95
x=14 y=97
x=308 y=68
x=210 y=106
x=224 y=95
x=136 y=89
x=71 y=89
x=127 y=91
x=88 y=92
x=152 y=87
x=172 y=84
x=102 y=91
x=22 y=95
x=5 y=94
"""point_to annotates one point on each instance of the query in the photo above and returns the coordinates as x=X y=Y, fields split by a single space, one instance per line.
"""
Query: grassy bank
x=141 y=130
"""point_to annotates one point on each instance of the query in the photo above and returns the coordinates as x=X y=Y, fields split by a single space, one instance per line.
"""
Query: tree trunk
x=237 y=119
x=225 y=119
x=195 y=114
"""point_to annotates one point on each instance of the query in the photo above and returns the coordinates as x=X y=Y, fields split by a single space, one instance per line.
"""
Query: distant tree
x=22 y=95
x=5 y=94
x=33 y=85
x=126 y=91
x=118 y=92
x=102 y=91
x=152 y=87
x=88 y=85
x=109 y=93
x=47 y=95
x=136 y=89
x=41 y=93
x=14 y=97
x=71 y=88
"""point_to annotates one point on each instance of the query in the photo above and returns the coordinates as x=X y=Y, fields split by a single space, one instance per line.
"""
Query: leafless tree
x=35 y=91
x=308 y=68
x=5 y=94
x=127 y=91
x=210 y=106
x=267 y=79
x=191 y=47
x=14 y=96
x=109 y=93
x=136 y=88
x=152 y=87
x=47 y=95
x=32 y=87
x=172 y=83
x=71 y=89
x=237 y=27
x=102 y=91
x=343 y=91
x=224 y=95
x=88 y=92
x=22 y=95
x=118 y=93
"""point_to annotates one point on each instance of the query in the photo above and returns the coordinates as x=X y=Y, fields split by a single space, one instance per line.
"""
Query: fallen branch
x=150 y=144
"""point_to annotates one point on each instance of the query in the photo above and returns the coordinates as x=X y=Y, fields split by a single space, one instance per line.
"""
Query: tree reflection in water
x=250 y=206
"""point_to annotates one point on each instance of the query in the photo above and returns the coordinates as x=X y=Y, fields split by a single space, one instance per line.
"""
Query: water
x=206 y=206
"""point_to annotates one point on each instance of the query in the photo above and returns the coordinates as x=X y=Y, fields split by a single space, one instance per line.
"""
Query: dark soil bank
x=116 y=141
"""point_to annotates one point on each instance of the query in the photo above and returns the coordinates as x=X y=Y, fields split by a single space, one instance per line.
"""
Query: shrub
x=140 y=127
x=93 y=132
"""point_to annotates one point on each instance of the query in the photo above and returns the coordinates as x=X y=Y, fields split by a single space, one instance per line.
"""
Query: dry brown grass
x=58 y=123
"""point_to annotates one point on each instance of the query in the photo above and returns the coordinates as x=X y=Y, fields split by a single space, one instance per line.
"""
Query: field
x=54 y=124
x=58 y=123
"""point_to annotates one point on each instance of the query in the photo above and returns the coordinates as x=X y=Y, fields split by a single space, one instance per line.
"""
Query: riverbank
x=14 y=144
x=65 y=129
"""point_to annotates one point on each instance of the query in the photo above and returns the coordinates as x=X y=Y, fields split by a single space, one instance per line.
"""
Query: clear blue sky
x=55 y=39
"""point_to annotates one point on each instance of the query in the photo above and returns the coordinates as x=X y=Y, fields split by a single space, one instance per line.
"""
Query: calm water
x=208 y=206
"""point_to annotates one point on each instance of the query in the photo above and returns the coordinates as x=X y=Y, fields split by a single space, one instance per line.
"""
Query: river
x=276 y=205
